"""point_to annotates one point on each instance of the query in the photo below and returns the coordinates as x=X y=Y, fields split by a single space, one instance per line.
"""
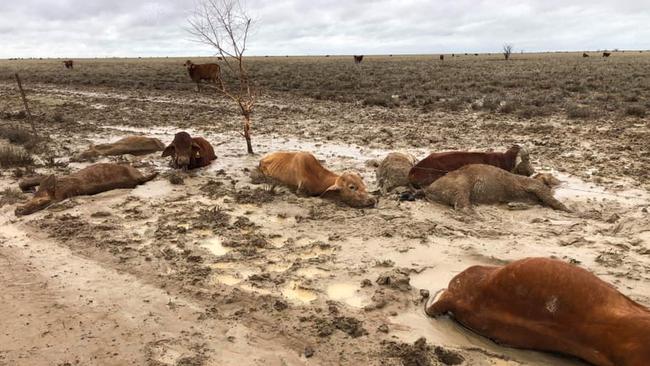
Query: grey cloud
x=83 y=28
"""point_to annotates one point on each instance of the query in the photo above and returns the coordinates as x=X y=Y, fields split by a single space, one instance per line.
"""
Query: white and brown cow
x=301 y=171
x=548 y=305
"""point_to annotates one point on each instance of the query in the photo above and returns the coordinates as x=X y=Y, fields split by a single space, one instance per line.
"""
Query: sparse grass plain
x=528 y=85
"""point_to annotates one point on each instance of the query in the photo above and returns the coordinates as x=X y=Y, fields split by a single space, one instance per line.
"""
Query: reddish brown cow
x=208 y=72
x=606 y=54
x=69 y=64
x=437 y=165
x=302 y=172
x=189 y=152
x=87 y=181
x=358 y=59
x=548 y=305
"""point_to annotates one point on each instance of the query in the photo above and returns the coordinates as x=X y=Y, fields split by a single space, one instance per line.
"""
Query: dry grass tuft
x=11 y=156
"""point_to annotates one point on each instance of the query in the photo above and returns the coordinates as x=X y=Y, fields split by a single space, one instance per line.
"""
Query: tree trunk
x=247 y=134
x=27 y=111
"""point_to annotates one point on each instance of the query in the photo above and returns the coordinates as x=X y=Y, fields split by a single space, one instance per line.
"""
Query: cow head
x=42 y=198
x=182 y=150
x=522 y=162
x=350 y=189
x=548 y=179
x=462 y=285
x=189 y=64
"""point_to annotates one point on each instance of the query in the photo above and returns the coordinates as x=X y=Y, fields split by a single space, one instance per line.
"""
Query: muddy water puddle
x=295 y=292
x=575 y=189
x=444 y=331
x=156 y=189
x=215 y=246
x=346 y=292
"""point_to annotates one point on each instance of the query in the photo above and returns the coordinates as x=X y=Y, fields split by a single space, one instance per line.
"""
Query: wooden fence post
x=22 y=94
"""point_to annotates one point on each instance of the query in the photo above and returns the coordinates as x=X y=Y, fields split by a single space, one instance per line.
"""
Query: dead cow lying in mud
x=302 y=172
x=480 y=183
x=515 y=160
x=548 y=305
x=88 y=181
x=393 y=171
x=134 y=145
x=189 y=152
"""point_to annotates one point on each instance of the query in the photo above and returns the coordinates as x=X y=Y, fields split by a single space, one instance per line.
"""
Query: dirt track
x=218 y=271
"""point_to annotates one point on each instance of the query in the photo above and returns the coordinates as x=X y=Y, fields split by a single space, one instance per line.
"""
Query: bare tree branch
x=224 y=25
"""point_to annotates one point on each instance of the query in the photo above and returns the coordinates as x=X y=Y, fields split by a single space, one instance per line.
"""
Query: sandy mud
x=208 y=268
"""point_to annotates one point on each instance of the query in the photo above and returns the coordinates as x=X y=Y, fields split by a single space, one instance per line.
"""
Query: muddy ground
x=219 y=271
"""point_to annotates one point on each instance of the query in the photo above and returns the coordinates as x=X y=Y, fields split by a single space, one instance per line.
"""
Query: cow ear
x=333 y=189
x=169 y=151
x=48 y=185
x=196 y=149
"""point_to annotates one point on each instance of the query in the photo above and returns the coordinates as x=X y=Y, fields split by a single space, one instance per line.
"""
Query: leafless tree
x=225 y=25
x=507 y=50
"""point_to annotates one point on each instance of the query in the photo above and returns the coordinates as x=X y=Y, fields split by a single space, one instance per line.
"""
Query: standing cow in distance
x=301 y=171
x=442 y=57
x=548 y=305
x=606 y=54
x=189 y=152
x=358 y=59
x=69 y=64
x=207 y=72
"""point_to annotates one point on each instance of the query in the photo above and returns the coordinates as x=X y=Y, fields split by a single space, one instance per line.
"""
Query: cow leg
x=546 y=196
x=30 y=182
x=461 y=198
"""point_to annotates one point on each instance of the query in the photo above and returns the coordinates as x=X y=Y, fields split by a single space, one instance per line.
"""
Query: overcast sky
x=99 y=28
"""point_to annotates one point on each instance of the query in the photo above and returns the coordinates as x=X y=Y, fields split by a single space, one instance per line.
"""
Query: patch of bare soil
x=209 y=268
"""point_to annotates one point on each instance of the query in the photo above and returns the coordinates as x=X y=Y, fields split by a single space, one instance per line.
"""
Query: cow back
x=298 y=170
x=437 y=165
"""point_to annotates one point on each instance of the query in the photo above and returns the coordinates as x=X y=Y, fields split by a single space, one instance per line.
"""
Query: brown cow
x=393 y=171
x=358 y=59
x=480 y=183
x=87 y=181
x=302 y=172
x=208 y=72
x=442 y=57
x=189 y=152
x=584 y=54
x=134 y=145
x=69 y=64
x=548 y=305
x=437 y=165
x=606 y=54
